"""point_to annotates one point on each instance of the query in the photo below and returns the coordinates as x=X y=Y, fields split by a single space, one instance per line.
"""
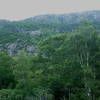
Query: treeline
x=67 y=67
x=28 y=26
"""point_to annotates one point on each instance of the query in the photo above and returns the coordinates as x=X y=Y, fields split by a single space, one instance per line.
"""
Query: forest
x=66 y=67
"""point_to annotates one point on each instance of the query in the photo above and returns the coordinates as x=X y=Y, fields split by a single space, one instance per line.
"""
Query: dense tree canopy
x=66 y=67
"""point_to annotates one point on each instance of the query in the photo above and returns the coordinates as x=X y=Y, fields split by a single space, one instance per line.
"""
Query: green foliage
x=7 y=79
x=65 y=67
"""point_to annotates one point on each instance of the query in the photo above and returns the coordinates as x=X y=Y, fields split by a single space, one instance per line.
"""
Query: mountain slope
x=67 y=18
x=52 y=22
x=26 y=34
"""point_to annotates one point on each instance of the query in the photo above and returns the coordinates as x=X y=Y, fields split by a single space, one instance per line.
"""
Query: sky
x=21 y=9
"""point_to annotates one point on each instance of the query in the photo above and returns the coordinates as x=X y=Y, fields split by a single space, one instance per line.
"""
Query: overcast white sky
x=21 y=9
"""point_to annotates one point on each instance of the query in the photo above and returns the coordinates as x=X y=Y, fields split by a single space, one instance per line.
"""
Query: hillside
x=25 y=34
x=52 y=21
x=65 y=66
x=51 y=57
x=67 y=18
